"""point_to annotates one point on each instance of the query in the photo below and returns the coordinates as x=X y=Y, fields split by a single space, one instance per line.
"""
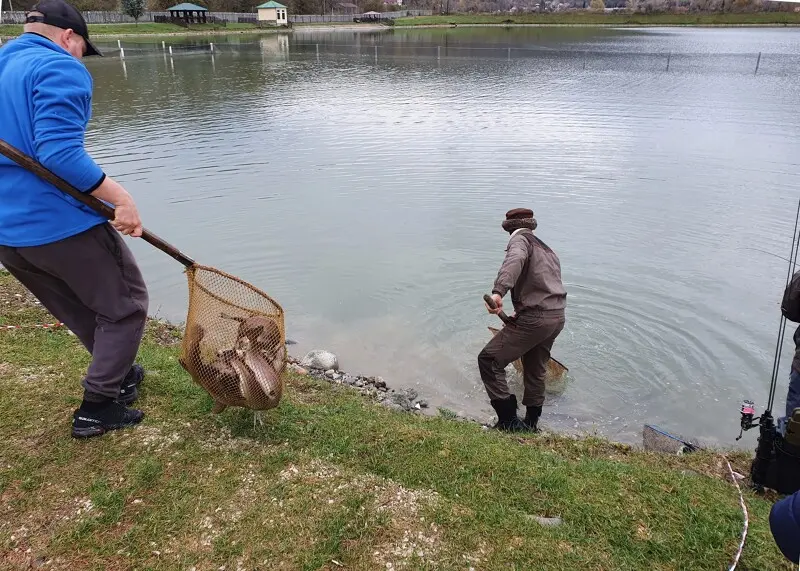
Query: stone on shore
x=320 y=359
x=546 y=521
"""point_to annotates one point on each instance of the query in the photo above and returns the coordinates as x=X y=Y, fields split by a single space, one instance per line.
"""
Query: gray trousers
x=92 y=284
x=531 y=338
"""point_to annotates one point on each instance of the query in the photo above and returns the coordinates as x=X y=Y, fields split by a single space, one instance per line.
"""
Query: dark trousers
x=92 y=284
x=530 y=338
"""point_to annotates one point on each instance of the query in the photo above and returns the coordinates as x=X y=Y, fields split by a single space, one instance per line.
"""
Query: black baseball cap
x=62 y=15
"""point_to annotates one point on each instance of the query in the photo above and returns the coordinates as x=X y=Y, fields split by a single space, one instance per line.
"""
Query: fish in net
x=234 y=345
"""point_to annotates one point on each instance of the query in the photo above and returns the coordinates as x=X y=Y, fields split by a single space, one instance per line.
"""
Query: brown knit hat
x=517 y=218
x=519 y=213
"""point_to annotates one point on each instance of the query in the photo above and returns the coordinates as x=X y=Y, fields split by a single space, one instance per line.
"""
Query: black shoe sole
x=92 y=431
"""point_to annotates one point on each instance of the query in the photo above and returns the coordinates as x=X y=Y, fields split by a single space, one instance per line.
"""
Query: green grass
x=150 y=28
x=616 y=19
x=330 y=480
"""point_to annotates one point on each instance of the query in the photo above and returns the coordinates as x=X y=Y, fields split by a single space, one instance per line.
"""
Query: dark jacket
x=532 y=272
x=784 y=523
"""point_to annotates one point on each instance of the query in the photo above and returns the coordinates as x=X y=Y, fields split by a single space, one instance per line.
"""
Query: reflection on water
x=366 y=193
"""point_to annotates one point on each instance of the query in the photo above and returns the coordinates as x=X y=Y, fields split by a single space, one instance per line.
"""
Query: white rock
x=546 y=521
x=319 y=359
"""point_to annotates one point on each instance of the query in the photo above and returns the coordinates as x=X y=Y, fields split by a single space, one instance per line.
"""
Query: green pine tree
x=133 y=8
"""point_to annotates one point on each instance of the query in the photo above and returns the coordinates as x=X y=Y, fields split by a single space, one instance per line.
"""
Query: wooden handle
x=502 y=315
x=98 y=206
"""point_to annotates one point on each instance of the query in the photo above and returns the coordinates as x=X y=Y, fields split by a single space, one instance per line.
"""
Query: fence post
x=212 y=47
x=163 y=45
x=170 y=51
x=376 y=54
x=121 y=51
x=438 y=52
x=758 y=62
x=509 y=53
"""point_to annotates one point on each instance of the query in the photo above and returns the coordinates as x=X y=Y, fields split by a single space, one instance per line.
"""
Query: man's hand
x=498 y=301
x=126 y=220
x=126 y=216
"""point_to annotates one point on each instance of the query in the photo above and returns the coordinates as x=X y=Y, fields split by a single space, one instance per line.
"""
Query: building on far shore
x=189 y=13
x=273 y=12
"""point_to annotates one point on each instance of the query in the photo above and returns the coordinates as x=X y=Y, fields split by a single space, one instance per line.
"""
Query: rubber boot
x=532 y=418
x=507 y=418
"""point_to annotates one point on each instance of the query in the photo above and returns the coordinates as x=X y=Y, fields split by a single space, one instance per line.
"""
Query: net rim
x=192 y=270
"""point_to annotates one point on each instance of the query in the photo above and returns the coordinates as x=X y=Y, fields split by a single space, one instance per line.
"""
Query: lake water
x=361 y=177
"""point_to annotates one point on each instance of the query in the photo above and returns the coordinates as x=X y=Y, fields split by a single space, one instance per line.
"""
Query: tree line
x=462 y=6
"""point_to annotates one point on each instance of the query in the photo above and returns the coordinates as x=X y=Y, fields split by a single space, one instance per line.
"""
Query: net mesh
x=655 y=439
x=234 y=345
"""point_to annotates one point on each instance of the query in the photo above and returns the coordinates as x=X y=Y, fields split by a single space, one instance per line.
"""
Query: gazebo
x=189 y=13
x=371 y=16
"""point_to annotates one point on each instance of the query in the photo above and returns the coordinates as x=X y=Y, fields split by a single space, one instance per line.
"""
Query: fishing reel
x=762 y=468
x=748 y=418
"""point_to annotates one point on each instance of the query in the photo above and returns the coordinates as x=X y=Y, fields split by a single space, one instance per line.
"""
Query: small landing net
x=234 y=345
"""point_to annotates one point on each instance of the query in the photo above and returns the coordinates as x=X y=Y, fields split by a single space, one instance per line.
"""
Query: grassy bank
x=615 y=19
x=329 y=481
x=151 y=28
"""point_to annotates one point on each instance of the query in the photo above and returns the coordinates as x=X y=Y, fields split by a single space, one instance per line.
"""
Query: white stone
x=546 y=521
x=320 y=359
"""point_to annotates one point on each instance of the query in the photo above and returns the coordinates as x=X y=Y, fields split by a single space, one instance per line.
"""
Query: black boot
x=532 y=418
x=94 y=419
x=129 y=391
x=507 y=418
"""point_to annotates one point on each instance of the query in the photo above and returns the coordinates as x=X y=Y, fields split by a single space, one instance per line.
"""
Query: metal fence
x=98 y=17
x=320 y=18
x=746 y=63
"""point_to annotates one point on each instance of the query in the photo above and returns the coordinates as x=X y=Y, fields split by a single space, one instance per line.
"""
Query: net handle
x=98 y=206
x=492 y=305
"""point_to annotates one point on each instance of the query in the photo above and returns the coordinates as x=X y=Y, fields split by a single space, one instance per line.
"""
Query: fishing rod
x=782 y=330
x=769 y=253
x=761 y=466
x=748 y=411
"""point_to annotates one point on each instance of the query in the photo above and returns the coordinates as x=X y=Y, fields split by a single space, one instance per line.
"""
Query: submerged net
x=655 y=439
x=556 y=372
x=234 y=345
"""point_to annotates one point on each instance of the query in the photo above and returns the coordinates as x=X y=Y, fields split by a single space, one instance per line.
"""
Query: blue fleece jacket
x=45 y=105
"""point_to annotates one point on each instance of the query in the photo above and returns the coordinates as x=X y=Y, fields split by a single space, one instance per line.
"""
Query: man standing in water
x=68 y=256
x=532 y=272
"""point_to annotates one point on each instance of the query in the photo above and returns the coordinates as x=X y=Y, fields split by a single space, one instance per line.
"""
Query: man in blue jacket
x=69 y=257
